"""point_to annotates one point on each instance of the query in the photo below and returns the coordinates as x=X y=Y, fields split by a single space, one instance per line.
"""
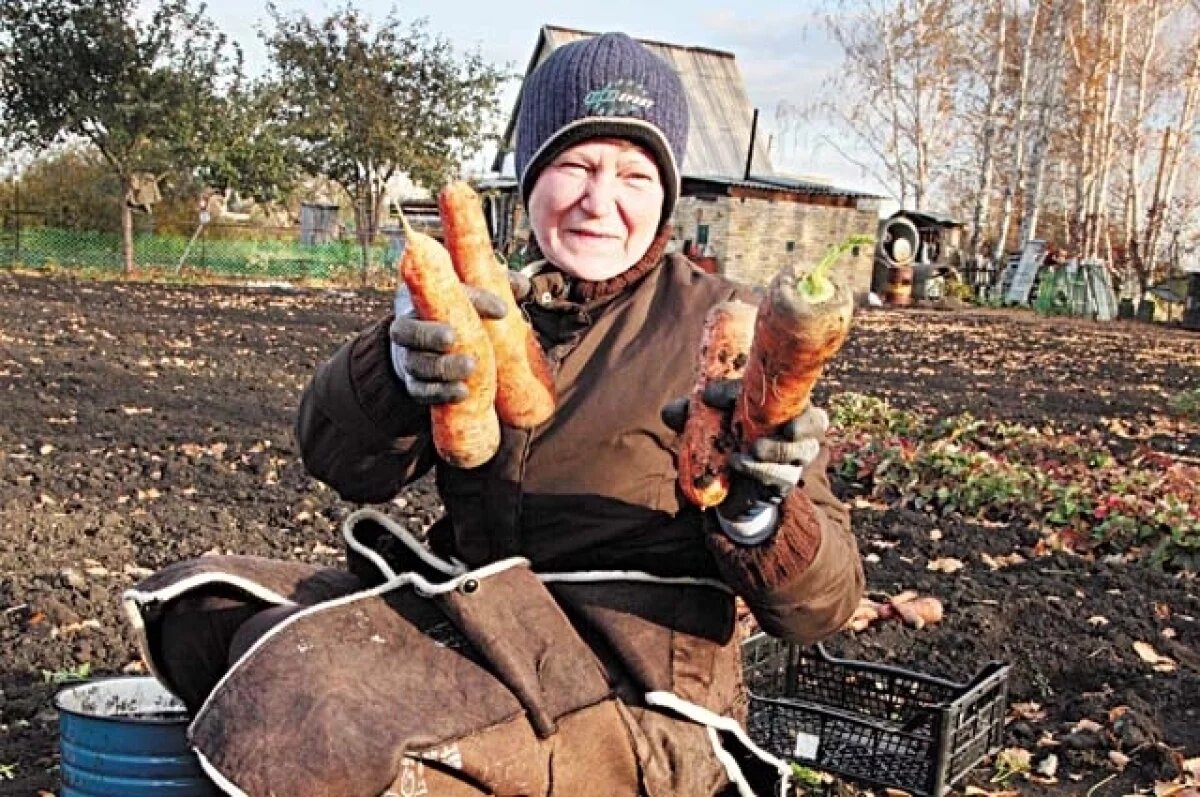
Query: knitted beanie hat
x=604 y=86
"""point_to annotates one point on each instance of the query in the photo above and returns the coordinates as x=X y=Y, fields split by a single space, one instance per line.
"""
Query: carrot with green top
x=802 y=323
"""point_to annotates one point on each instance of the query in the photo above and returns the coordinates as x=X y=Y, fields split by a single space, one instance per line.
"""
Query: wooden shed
x=736 y=215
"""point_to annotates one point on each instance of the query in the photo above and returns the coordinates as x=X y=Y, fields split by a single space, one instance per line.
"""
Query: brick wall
x=750 y=236
x=691 y=213
x=760 y=231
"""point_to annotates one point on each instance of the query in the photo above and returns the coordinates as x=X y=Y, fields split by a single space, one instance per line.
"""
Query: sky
x=780 y=45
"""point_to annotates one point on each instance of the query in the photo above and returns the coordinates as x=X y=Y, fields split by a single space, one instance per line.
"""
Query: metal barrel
x=126 y=737
x=899 y=286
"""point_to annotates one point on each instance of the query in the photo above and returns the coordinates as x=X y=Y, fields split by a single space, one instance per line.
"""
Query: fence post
x=17 y=225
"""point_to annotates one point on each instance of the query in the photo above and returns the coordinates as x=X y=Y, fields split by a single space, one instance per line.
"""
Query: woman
x=615 y=669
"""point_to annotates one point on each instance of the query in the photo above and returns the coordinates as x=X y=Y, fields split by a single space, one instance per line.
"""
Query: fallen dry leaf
x=1159 y=662
x=1097 y=620
x=975 y=791
x=1090 y=726
x=946 y=564
x=1118 y=759
x=1028 y=711
x=1174 y=789
x=998 y=562
x=74 y=628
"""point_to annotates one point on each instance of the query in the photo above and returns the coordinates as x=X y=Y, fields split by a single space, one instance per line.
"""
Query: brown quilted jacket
x=595 y=487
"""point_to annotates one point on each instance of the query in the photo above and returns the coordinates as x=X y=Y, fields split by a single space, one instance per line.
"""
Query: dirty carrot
x=465 y=433
x=525 y=387
x=708 y=439
x=802 y=322
x=913 y=609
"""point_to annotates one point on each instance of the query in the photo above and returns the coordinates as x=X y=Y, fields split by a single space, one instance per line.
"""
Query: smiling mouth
x=594 y=235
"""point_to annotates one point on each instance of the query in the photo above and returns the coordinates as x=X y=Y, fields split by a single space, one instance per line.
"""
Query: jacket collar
x=553 y=288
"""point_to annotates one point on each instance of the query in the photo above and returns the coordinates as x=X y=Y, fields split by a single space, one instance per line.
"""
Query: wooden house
x=736 y=215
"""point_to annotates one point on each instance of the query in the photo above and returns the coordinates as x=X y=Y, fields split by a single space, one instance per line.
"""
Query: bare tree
x=990 y=124
x=1048 y=114
x=903 y=68
x=1176 y=139
x=1017 y=172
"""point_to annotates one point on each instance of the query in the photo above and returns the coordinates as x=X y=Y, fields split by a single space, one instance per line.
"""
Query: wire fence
x=216 y=251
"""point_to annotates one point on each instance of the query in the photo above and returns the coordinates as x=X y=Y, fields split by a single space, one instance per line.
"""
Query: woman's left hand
x=775 y=463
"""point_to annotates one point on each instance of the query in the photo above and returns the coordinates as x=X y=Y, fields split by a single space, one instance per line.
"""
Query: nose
x=600 y=194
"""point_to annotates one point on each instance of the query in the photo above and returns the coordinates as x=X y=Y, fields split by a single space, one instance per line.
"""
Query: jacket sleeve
x=357 y=429
x=805 y=582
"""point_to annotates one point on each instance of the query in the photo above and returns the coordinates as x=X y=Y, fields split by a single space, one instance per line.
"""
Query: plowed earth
x=141 y=424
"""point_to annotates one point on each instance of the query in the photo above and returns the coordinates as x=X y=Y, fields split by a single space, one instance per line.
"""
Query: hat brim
x=636 y=130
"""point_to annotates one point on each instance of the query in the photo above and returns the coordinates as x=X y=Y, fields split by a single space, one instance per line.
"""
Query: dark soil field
x=140 y=424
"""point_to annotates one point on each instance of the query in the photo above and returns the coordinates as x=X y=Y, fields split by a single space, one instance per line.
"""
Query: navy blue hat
x=603 y=86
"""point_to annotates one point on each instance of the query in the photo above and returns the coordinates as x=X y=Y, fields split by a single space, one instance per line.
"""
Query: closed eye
x=640 y=176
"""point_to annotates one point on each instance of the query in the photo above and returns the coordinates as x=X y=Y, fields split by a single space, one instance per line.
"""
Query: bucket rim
x=155 y=719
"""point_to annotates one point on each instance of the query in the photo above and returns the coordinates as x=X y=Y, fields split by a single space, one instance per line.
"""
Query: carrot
x=525 y=387
x=465 y=433
x=802 y=323
x=913 y=609
x=708 y=439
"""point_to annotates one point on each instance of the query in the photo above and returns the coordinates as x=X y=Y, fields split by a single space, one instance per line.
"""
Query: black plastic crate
x=872 y=724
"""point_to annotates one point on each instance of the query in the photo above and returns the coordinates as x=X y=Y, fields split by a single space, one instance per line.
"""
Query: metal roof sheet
x=788 y=184
x=720 y=111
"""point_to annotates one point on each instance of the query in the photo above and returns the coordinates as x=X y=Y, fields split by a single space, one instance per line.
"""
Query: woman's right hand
x=420 y=350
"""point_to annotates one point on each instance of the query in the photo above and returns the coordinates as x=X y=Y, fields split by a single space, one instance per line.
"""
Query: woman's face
x=596 y=208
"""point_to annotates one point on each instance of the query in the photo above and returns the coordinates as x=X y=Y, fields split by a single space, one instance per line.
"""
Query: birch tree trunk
x=1133 y=215
x=1098 y=226
x=1051 y=96
x=1083 y=50
x=1018 y=170
x=990 y=123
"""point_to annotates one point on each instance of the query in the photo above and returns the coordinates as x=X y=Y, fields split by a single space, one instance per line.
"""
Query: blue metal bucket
x=126 y=737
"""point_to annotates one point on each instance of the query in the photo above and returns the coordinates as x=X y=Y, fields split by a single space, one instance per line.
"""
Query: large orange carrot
x=802 y=323
x=525 y=388
x=465 y=433
x=708 y=438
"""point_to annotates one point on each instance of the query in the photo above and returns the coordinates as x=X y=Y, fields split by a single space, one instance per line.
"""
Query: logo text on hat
x=619 y=98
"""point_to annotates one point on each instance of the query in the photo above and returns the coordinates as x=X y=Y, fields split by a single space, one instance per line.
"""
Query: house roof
x=721 y=115
x=782 y=184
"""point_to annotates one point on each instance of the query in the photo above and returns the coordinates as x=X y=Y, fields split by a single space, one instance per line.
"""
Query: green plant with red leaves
x=1147 y=505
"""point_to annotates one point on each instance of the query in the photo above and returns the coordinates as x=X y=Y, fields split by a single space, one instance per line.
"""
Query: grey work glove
x=768 y=472
x=419 y=358
x=419 y=347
